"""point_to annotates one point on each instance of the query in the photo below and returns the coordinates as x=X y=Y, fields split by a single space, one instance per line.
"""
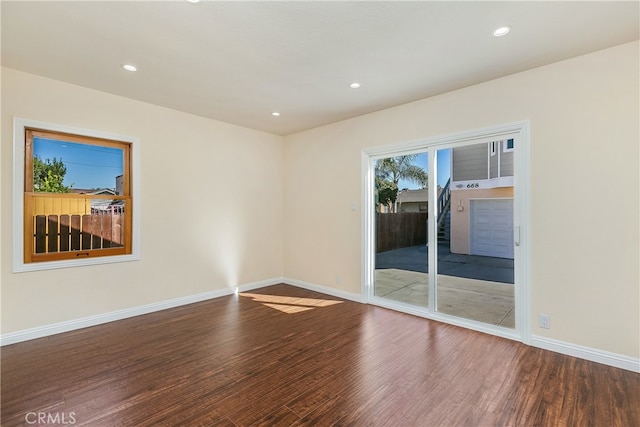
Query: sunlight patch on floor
x=289 y=305
x=288 y=308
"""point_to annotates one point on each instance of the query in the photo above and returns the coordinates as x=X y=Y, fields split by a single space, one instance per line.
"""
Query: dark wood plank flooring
x=237 y=361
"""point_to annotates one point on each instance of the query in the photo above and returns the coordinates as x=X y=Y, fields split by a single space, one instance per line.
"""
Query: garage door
x=492 y=228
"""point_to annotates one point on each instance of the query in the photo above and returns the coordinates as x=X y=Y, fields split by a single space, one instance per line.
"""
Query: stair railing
x=444 y=203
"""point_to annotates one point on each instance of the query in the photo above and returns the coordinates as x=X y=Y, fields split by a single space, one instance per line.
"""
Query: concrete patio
x=484 y=292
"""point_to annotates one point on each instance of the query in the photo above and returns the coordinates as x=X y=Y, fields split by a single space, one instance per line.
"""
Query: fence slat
x=75 y=232
x=96 y=231
x=118 y=230
x=86 y=232
x=52 y=234
x=106 y=230
x=64 y=233
x=41 y=234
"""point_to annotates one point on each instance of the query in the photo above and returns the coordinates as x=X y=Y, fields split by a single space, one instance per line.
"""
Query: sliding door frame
x=519 y=131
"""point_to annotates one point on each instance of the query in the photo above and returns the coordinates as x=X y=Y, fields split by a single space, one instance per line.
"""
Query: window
x=77 y=197
x=492 y=148
x=507 y=145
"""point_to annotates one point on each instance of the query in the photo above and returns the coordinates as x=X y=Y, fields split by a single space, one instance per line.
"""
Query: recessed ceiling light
x=193 y=1
x=275 y=114
x=354 y=85
x=129 y=67
x=501 y=31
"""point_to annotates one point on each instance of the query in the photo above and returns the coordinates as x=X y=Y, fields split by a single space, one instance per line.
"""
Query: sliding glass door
x=442 y=231
x=475 y=256
x=401 y=200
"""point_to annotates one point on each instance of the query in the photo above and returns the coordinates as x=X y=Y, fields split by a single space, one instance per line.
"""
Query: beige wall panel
x=211 y=204
x=584 y=117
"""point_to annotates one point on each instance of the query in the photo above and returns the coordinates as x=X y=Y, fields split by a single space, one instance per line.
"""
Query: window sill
x=50 y=265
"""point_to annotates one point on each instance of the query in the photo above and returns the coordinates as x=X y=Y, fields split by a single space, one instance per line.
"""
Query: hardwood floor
x=287 y=356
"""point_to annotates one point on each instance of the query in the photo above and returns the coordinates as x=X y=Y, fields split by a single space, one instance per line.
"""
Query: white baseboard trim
x=323 y=289
x=85 y=322
x=587 y=353
x=260 y=284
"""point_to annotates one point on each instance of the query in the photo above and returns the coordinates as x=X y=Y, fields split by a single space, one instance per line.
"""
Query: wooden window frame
x=25 y=258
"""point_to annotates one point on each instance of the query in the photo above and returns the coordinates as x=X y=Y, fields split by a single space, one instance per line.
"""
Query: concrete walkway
x=472 y=287
x=480 y=300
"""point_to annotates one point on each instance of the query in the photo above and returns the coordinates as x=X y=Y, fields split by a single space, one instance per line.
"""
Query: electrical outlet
x=544 y=321
x=338 y=279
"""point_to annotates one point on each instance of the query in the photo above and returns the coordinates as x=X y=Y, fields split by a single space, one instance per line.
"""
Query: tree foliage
x=401 y=167
x=390 y=171
x=48 y=175
x=386 y=192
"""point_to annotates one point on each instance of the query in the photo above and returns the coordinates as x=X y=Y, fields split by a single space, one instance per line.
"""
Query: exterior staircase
x=444 y=213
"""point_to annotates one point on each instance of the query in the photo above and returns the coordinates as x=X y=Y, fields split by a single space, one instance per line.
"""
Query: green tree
x=391 y=170
x=386 y=192
x=48 y=175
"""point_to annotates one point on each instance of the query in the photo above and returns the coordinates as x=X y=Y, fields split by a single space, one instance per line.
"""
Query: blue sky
x=88 y=166
x=444 y=169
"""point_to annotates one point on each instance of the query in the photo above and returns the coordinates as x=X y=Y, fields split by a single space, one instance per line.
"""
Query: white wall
x=212 y=206
x=584 y=116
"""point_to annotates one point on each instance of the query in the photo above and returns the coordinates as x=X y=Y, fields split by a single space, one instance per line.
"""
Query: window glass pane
x=68 y=224
x=401 y=184
x=475 y=257
x=68 y=167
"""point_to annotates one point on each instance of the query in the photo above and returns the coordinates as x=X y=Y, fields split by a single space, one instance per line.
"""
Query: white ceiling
x=239 y=61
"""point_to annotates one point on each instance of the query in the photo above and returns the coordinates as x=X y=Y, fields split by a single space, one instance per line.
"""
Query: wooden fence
x=64 y=233
x=400 y=230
